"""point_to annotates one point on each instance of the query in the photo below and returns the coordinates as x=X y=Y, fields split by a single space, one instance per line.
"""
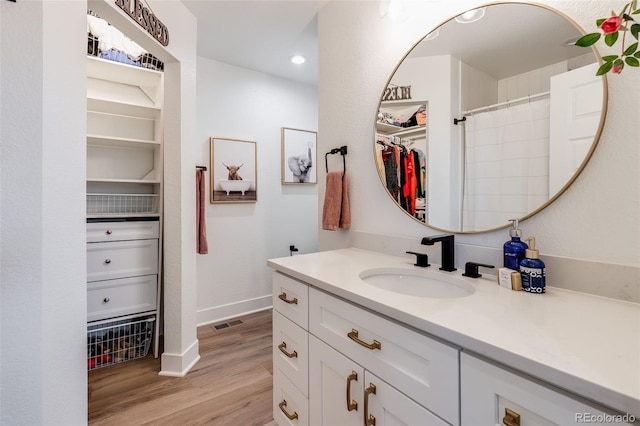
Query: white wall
x=358 y=51
x=237 y=103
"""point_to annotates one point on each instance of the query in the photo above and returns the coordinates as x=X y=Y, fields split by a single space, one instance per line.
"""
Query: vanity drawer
x=112 y=298
x=121 y=231
x=422 y=368
x=291 y=299
x=291 y=351
x=290 y=406
x=493 y=395
x=120 y=259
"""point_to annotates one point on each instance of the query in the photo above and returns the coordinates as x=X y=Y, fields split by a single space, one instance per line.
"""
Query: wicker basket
x=119 y=204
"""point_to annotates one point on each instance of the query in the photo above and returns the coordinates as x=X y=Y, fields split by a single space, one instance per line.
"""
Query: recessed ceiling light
x=471 y=15
x=433 y=34
x=298 y=59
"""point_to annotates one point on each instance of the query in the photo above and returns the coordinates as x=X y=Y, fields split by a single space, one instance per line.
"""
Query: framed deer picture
x=234 y=171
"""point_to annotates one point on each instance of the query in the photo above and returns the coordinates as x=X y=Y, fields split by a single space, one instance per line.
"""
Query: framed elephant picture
x=299 y=163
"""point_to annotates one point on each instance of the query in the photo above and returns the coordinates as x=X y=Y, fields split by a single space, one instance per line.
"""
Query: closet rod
x=513 y=101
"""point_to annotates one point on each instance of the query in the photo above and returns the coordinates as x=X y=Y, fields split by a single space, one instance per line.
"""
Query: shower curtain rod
x=513 y=101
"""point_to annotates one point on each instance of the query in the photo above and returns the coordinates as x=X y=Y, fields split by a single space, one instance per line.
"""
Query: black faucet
x=448 y=254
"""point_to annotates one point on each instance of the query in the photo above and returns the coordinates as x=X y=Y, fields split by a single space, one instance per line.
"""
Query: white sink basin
x=416 y=282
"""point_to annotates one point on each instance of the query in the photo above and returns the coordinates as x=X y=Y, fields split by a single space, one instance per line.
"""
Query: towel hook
x=342 y=151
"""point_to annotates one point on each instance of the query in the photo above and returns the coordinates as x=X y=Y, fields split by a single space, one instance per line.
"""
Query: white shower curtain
x=506 y=164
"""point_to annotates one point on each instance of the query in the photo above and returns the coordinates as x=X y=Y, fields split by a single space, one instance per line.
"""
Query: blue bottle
x=514 y=249
x=532 y=270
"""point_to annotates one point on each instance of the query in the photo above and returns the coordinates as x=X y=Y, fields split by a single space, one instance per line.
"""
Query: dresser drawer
x=290 y=406
x=422 y=368
x=120 y=259
x=291 y=351
x=291 y=299
x=112 y=298
x=120 y=231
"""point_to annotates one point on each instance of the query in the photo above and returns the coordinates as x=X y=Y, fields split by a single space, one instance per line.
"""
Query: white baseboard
x=178 y=365
x=232 y=310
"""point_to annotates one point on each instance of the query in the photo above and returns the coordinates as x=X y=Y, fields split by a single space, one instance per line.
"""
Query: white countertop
x=586 y=344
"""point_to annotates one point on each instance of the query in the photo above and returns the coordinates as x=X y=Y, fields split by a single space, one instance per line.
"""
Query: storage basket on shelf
x=113 y=342
x=115 y=204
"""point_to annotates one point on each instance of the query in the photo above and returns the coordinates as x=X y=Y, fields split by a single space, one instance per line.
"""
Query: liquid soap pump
x=514 y=249
x=532 y=270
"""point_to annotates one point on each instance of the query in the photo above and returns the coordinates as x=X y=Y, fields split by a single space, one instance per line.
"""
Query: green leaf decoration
x=588 y=40
x=605 y=68
x=637 y=54
x=635 y=30
x=610 y=58
x=631 y=49
x=632 y=62
x=610 y=39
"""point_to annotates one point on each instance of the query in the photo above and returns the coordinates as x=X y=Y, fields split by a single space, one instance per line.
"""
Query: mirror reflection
x=488 y=120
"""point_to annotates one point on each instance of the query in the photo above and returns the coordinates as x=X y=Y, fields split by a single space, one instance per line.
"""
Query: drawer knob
x=289 y=416
x=109 y=231
x=107 y=261
x=283 y=346
x=511 y=418
x=351 y=404
x=369 y=420
x=106 y=300
x=283 y=296
x=353 y=335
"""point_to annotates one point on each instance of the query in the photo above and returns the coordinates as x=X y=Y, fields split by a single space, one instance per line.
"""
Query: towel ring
x=343 y=151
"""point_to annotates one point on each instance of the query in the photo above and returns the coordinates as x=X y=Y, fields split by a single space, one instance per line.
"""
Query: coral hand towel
x=201 y=227
x=336 y=212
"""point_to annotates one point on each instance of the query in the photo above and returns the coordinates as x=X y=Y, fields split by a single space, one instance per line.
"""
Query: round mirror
x=489 y=117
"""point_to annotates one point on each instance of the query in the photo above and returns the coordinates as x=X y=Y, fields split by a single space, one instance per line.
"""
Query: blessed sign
x=397 y=93
x=146 y=19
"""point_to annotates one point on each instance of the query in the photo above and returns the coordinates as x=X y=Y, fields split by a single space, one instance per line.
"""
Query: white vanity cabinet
x=492 y=395
x=325 y=348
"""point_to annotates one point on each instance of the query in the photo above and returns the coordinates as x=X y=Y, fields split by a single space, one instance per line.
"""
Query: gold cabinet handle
x=353 y=335
x=289 y=416
x=351 y=405
x=283 y=296
x=511 y=418
x=369 y=420
x=283 y=346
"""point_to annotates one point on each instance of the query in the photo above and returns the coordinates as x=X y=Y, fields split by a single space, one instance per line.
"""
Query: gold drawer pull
x=353 y=335
x=282 y=346
x=283 y=297
x=289 y=416
x=369 y=420
x=511 y=418
x=351 y=405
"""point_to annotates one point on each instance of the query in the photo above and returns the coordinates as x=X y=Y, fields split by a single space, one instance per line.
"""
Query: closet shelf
x=122 y=73
x=101 y=180
x=391 y=130
x=117 y=142
x=121 y=108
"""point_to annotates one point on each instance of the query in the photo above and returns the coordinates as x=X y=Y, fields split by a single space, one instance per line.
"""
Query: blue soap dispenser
x=532 y=270
x=514 y=249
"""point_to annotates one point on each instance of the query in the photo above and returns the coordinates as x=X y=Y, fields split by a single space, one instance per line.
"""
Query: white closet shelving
x=124 y=196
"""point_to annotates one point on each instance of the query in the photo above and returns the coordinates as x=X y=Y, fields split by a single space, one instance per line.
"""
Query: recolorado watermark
x=604 y=418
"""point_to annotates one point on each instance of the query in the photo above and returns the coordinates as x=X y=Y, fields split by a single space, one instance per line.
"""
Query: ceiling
x=260 y=34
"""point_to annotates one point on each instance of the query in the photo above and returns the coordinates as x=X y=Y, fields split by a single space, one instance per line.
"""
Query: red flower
x=617 y=69
x=611 y=25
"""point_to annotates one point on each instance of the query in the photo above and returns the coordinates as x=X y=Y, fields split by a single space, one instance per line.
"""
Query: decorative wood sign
x=146 y=19
x=396 y=93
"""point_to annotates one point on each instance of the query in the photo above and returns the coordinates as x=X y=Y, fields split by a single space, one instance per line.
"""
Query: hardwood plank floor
x=230 y=385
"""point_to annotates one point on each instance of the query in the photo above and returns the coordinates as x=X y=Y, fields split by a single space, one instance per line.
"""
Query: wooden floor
x=230 y=385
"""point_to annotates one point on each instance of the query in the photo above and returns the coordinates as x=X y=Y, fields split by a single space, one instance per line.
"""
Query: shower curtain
x=506 y=164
